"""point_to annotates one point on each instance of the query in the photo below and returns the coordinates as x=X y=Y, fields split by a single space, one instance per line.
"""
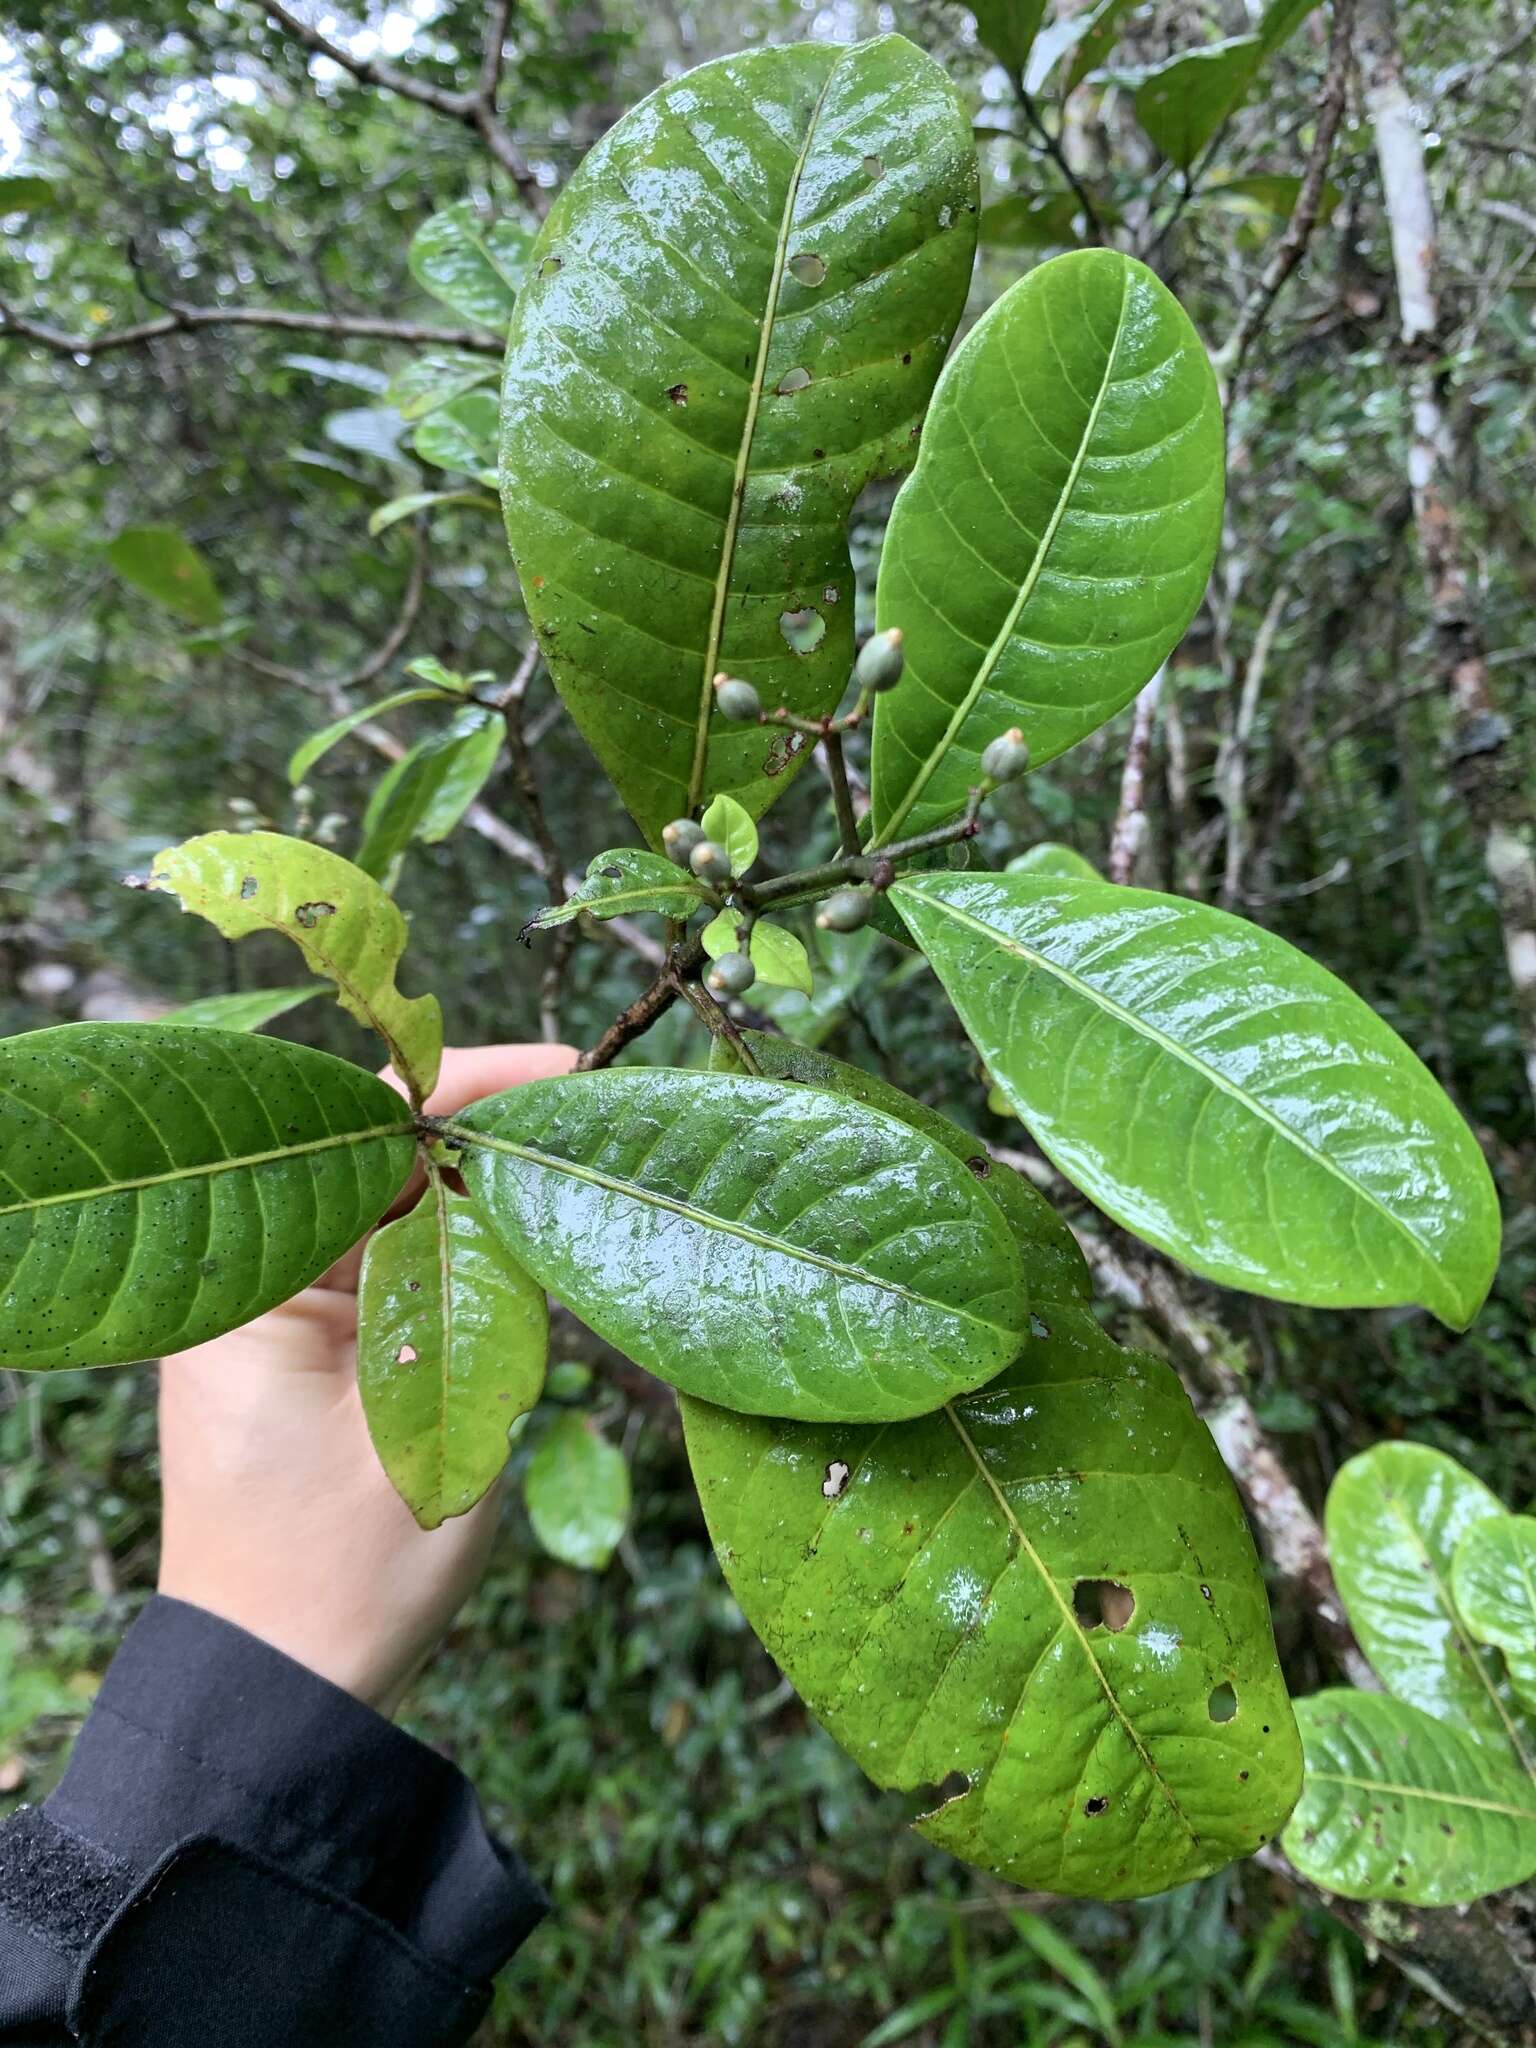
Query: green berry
x=680 y=838
x=1007 y=757
x=732 y=975
x=711 y=863
x=880 y=661
x=845 y=910
x=737 y=700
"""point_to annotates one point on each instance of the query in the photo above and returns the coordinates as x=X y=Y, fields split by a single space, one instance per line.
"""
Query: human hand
x=277 y=1513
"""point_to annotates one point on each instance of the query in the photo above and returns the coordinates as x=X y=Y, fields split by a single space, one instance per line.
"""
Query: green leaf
x=338 y=370
x=428 y=790
x=339 y=918
x=1055 y=538
x=461 y=436
x=1272 y=195
x=1031 y=220
x=577 y=1493
x=395 y=509
x=1280 y=20
x=1054 y=1267
x=163 y=563
x=1396 y=1805
x=367 y=430
x=432 y=380
x=474 y=265
x=160 y=1185
x=431 y=670
x=452 y=1337
x=1182 y=103
x=1215 y=1091
x=737 y=309
x=24 y=194
x=762 y=1245
x=1493 y=1582
x=1098 y=39
x=246 y=1010
x=731 y=827
x=625 y=883
x=1049 y=858
x=1046 y=1587
x=780 y=959
x=1395 y=1516
x=1008 y=28
x=320 y=743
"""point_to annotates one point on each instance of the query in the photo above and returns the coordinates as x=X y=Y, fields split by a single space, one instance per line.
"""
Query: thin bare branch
x=1129 y=831
x=188 y=319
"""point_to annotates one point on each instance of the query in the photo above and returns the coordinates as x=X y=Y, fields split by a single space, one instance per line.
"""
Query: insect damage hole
x=248 y=888
x=406 y=1355
x=807 y=267
x=1222 y=1704
x=1103 y=1603
x=1096 y=1805
x=793 y=380
x=931 y=1798
x=835 y=1484
x=804 y=630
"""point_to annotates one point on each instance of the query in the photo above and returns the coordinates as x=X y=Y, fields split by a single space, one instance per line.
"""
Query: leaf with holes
x=576 y=1490
x=429 y=789
x=771 y=1248
x=320 y=743
x=1054 y=1267
x=1493 y=1582
x=164 y=565
x=246 y=1009
x=161 y=1184
x=626 y=883
x=779 y=957
x=1396 y=1514
x=1215 y=1090
x=473 y=265
x=452 y=1336
x=1047 y=1588
x=1396 y=1805
x=737 y=308
x=1055 y=538
x=339 y=918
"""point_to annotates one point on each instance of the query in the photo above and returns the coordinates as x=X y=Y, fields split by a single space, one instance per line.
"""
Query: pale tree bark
x=1484 y=775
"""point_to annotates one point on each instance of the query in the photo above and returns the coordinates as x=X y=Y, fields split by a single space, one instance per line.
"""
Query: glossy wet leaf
x=1395 y=1516
x=461 y=436
x=1049 y=858
x=779 y=957
x=1055 y=539
x=770 y=1248
x=628 y=882
x=428 y=381
x=161 y=1184
x=395 y=509
x=425 y=794
x=247 y=1009
x=320 y=743
x=339 y=918
x=1396 y=1805
x=1215 y=1090
x=690 y=409
x=731 y=827
x=1054 y=1267
x=577 y=1493
x=475 y=265
x=1493 y=1582
x=949 y=1595
x=1182 y=103
x=162 y=563
x=451 y=1344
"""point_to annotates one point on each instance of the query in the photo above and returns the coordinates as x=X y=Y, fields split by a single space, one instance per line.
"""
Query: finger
x=470 y=1071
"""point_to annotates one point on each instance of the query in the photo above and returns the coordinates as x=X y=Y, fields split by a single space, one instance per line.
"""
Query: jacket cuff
x=201 y=1730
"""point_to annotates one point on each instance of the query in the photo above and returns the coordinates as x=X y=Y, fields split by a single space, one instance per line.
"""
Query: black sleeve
x=241 y=1855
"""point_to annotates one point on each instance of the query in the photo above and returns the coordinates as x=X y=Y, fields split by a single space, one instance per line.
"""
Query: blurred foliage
x=721 y=1873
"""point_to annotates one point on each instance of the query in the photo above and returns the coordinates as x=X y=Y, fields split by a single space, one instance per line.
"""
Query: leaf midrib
x=208 y=1168
x=764 y=1240
x=1426 y=1792
x=994 y=653
x=1212 y=1075
x=1071 y=1622
x=744 y=452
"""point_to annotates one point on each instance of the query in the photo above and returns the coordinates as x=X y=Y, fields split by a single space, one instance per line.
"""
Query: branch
x=1130 y=826
x=1292 y=245
x=187 y=319
x=1058 y=156
x=513 y=704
